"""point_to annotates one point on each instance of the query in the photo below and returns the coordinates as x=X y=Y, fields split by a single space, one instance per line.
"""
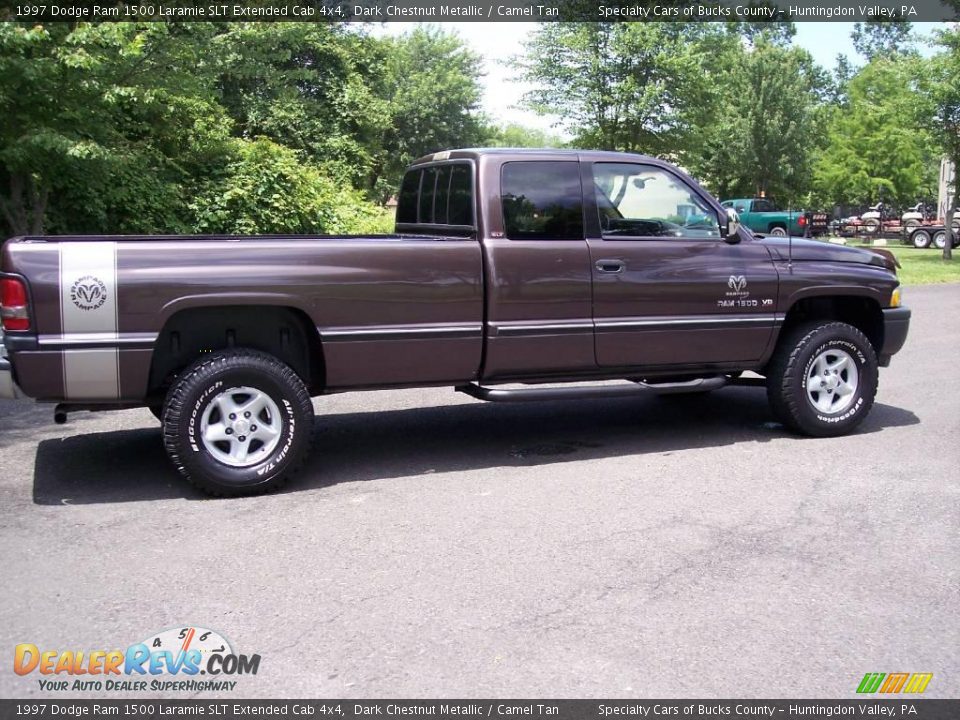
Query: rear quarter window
x=437 y=195
x=542 y=200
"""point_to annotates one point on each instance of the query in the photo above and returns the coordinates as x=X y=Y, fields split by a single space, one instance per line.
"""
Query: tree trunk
x=25 y=206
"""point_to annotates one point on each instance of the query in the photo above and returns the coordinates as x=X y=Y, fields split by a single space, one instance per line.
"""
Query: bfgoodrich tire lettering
x=229 y=379
x=843 y=358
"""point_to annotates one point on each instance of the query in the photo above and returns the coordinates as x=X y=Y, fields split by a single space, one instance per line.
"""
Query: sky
x=496 y=42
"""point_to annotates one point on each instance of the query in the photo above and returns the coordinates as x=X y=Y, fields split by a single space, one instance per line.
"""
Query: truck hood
x=805 y=250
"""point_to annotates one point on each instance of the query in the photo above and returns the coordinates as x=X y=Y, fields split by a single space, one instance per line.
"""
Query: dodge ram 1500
x=534 y=268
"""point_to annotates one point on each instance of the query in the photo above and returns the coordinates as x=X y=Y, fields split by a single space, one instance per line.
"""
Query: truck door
x=667 y=290
x=537 y=267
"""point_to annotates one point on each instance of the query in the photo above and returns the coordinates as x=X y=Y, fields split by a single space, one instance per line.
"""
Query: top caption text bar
x=483 y=11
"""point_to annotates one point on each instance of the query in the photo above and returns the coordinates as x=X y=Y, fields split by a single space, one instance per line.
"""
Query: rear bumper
x=8 y=388
x=896 y=323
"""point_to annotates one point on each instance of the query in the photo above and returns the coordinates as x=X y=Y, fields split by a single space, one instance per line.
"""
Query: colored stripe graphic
x=870 y=682
x=918 y=682
x=894 y=682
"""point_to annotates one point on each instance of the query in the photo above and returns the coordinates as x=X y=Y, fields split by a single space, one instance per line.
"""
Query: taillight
x=13 y=305
x=802 y=221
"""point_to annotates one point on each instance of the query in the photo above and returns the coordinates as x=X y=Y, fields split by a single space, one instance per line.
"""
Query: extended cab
x=539 y=268
x=763 y=216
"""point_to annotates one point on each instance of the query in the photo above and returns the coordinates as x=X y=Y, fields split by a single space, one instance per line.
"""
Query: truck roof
x=541 y=153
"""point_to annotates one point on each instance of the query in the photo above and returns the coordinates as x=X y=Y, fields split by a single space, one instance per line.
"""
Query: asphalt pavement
x=437 y=546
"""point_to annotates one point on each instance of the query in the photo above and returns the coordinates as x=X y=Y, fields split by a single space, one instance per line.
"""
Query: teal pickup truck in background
x=762 y=216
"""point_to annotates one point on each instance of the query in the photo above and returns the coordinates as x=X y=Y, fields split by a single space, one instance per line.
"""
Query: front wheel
x=238 y=422
x=921 y=239
x=822 y=379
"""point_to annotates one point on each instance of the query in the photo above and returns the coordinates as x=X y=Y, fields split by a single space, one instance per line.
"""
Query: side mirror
x=731 y=233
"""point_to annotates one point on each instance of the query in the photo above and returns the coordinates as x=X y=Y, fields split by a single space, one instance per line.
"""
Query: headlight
x=895 y=298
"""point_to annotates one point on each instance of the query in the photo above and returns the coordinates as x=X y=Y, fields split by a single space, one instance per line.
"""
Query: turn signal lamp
x=895 y=298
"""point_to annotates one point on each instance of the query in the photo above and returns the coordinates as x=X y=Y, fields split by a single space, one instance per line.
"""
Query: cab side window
x=645 y=201
x=542 y=200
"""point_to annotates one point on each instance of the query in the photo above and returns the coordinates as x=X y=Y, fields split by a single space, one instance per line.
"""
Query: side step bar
x=591 y=391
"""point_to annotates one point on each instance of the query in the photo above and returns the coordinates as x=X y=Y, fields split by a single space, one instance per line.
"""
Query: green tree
x=268 y=188
x=877 y=147
x=520 y=136
x=429 y=81
x=882 y=38
x=621 y=86
x=764 y=124
x=307 y=86
x=943 y=82
x=101 y=126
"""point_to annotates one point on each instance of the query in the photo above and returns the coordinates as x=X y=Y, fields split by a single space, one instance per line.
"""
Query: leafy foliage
x=877 y=147
x=159 y=127
x=305 y=127
x=621 y=86
x=943 y=85
x=267 y=188
x=765 y=123
x=882 y=38
x=518 y=136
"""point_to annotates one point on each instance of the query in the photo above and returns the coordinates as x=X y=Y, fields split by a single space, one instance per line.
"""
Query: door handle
x=610 y=266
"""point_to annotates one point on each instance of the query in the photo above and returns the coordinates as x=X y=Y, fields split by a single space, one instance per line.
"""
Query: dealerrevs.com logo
x=187 y=659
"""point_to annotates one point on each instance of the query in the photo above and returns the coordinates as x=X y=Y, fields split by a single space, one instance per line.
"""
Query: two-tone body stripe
x=528 y=328
x=378 y=333
x=88 y=312
x=693 y=322
x=142 y=341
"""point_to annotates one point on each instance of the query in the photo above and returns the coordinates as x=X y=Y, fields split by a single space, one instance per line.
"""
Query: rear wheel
x=778 y=231
x=822 y=379
x=940 y=239
x=238 y=423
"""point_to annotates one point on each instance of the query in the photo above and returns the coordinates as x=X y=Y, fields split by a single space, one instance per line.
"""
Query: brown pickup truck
x=531 y=268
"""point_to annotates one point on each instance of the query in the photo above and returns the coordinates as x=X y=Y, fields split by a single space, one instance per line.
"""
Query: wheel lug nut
x=243 y=438
x=253 y=428
x=246 y=414
x=233 y=416
x=229 y=431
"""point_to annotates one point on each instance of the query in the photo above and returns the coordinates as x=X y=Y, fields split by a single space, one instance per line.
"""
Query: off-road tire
x=788 y=371
x=206 y=380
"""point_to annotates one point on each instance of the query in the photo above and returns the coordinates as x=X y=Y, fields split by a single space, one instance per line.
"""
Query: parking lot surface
x=438 y=546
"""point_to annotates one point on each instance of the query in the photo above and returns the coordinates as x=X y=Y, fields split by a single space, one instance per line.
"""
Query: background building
x=945 y=194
